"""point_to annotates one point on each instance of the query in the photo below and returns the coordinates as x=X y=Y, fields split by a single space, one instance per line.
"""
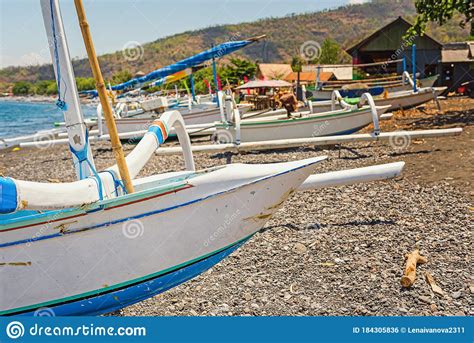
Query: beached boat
x=396 y=100
x=300 y=125
x=324 y=93
x=196 y=114
x=110 y=239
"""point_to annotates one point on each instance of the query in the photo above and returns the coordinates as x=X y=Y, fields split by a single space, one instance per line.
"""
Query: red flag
x=208 y=86
x=246 y=79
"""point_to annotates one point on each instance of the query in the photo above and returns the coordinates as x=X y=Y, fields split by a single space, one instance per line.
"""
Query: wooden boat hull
x=124 y=249
x=323 y=124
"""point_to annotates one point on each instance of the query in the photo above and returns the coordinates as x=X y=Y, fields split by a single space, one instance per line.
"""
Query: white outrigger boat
x=306 y=124
x=325 y=93
x=110 y=239
x=397 y=100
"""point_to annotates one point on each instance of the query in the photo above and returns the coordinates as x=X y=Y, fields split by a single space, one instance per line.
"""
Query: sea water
x=23 y=118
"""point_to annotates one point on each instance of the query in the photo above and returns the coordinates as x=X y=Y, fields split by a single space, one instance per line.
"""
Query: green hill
x=285 y=35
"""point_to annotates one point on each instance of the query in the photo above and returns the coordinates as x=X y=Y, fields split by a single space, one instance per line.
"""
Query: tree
x=52 y=88
x=440 y=11
x=42 y=87
x=23 y=88
x=237 y=69
x=297 y=64
x=121 y=77
x=331 y=53
x=85 y=83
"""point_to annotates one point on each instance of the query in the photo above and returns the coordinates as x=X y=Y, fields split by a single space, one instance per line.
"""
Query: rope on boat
x=60 y=103
x=82 y=157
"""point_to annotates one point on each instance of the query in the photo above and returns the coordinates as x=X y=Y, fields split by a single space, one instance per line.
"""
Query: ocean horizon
x=19 y=118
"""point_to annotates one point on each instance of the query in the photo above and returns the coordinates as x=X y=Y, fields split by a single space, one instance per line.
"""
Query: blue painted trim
x=147 y=214
x=347 y=132
x=156 y=130
x=121 y=298
x=8 y=196
x=193 y=87
x=214 y=72
x=413 y=63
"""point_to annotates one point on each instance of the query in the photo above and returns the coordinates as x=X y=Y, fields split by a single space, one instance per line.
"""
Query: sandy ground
x=336 y=251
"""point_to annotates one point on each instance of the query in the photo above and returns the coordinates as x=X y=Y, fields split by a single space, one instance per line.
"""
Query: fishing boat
x=306 y=124
x=204 y=113
x=396 y=100
x=111 y=239
x=325 y=92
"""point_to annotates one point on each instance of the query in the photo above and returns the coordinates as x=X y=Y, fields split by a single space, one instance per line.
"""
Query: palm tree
x=297 y=66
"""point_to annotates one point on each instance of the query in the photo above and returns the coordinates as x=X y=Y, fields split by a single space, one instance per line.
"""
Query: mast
x=68 y=100
x=102 y=91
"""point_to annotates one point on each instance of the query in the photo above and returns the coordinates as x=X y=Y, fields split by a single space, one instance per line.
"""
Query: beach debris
x=425 y=299
x=434 y=287
x=300 y=248
x=16 y=149
x=412 y=259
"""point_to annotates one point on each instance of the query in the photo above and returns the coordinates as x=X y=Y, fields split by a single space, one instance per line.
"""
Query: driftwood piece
x=436 y=289
x=412 y=259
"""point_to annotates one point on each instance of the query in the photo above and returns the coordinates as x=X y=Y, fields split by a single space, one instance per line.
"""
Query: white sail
x=68 y=99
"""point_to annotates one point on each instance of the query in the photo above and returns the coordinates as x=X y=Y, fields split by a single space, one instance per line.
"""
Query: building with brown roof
x=457 y=64
x=309 y=77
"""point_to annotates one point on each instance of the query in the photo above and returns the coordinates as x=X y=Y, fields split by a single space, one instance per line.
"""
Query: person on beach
x=289 y=102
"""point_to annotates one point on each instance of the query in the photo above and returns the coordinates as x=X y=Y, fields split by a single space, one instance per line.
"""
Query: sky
x=116 y=23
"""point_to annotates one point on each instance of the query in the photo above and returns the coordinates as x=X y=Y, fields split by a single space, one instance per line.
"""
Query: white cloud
x=357 y=2
x=32 y=59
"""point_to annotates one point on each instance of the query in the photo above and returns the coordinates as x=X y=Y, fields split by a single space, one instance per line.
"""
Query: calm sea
x=22 y=118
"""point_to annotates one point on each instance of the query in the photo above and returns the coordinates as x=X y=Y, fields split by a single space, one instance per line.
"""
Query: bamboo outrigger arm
x=102 y=91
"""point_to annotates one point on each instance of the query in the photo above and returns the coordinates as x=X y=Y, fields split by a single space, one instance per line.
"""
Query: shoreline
x=42 y=99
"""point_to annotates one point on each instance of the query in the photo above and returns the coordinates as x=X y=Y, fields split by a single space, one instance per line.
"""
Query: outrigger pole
x=102 y=91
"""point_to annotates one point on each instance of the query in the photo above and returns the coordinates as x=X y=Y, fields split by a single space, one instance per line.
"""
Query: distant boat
x=301 y=125
x=374 y=88
x=396 y=100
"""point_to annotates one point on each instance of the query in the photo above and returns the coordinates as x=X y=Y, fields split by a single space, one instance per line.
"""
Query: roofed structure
x=458 y=52
x=388 y=44
x=309 y=76
x=273 y=71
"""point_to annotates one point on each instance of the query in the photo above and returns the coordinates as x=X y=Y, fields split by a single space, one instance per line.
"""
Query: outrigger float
x=111 y=239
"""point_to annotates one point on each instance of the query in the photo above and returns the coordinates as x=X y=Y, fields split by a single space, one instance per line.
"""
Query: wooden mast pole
x=102 y=91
